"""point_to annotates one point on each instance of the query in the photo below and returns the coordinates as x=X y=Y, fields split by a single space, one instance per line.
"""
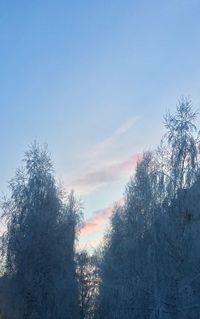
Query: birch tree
x=39 y=243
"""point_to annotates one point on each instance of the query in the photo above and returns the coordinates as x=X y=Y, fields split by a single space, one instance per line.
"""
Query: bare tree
x=88 y=282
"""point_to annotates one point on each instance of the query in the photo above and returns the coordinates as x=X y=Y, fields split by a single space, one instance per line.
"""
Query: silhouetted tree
x=88 y=283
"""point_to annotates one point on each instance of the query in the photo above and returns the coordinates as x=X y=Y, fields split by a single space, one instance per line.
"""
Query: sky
x=93 y=79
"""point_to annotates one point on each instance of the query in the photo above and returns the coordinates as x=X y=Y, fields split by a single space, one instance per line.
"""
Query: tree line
x=149 y=264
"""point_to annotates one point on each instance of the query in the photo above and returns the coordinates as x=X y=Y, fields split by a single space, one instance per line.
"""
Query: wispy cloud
x=99 y=219
x=100 y=148
x=103 y=166
x=109 y=173
x=104 y=163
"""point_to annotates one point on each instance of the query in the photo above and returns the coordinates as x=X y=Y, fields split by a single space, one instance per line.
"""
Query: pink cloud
x=106 y=174
x=99 y=219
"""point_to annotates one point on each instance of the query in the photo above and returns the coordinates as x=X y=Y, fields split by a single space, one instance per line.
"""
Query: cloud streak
x=104 y=166
x=99 y=219
x=109 y=173
x=100 y=148
x=103 y=163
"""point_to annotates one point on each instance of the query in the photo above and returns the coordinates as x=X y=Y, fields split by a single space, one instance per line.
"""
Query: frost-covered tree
x=110 y=302
x=183 y=144
x=126 y=288
x=39 y=242
x=150 y=268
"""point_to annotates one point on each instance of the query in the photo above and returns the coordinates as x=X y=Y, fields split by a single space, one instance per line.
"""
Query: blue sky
x=93 y=80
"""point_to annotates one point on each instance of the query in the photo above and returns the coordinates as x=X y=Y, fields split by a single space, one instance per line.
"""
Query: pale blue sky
x=93 y=80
